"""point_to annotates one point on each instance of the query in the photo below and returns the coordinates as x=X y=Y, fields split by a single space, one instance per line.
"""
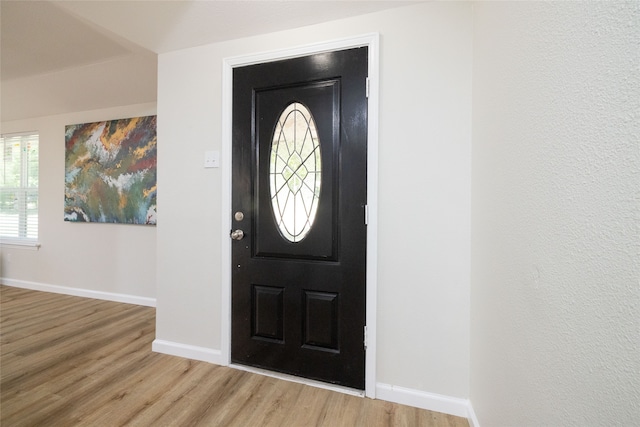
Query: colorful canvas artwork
x=110 y=173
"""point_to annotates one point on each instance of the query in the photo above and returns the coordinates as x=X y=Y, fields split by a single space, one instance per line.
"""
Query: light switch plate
x=211 y=159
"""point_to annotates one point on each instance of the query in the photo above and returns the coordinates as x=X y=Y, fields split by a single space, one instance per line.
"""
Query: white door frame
x=372 y=42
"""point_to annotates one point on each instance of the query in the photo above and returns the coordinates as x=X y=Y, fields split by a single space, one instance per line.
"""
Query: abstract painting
x=110 y=171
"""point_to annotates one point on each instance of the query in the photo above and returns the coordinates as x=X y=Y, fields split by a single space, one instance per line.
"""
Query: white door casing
x=372 y=42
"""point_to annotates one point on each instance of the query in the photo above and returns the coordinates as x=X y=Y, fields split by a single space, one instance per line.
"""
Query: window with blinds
x=19 y=187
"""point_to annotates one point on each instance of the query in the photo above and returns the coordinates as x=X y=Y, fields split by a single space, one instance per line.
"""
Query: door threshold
x=306 y=381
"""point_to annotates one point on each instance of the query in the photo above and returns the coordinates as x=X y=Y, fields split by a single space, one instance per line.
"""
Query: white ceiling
x=60 y=56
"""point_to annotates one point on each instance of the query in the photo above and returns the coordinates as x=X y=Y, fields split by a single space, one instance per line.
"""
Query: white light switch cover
x=211 y=159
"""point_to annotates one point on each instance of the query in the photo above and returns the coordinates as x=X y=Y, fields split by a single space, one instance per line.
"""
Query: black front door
x=299 y=202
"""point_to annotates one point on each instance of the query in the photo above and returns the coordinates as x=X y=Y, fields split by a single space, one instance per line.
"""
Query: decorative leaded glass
x=295 y=170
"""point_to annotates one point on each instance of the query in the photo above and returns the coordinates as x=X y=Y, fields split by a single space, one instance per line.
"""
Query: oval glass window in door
x=295 y=170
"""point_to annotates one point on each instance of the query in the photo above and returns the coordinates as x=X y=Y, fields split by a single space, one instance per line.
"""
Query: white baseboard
x=473 y=420
x=404 y=396
x=194 y=352
x=78 y=292
x=422 y=399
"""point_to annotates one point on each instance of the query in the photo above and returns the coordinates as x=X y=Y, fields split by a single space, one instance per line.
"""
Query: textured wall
x=555 y=294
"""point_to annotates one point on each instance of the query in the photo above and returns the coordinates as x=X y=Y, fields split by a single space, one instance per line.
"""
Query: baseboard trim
x=473 y=420
x=421 y=399
x=194 y=352
x=404 y=396
x=401 y=395
x=79 y=292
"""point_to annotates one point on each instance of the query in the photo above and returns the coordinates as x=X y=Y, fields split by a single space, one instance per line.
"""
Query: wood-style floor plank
x=71 y=361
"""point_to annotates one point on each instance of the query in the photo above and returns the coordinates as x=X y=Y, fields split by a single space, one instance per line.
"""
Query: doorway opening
x=324 y=303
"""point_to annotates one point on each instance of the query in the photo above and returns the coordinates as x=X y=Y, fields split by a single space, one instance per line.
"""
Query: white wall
x=555 y=295
x=88 y=259
x=424 y=173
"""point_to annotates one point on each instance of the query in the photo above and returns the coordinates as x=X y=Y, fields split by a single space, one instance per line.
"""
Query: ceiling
x=51 y=50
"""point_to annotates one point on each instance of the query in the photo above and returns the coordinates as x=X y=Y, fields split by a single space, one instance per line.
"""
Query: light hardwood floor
x=71 y=361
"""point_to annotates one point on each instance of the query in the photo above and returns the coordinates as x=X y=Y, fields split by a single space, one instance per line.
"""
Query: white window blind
x=19 y=187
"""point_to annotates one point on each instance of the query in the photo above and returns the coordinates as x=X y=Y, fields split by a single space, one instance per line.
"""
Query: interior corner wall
x=424 y=190
x=555 y=292
x=87 y=259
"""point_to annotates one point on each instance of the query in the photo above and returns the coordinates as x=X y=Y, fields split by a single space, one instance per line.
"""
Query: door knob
x=237 y=234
